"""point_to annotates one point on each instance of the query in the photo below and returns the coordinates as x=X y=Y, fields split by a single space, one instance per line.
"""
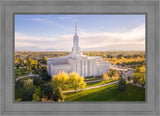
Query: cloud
x=69 y=17
x=86 y=39
x=50 y=23
x=98 y=39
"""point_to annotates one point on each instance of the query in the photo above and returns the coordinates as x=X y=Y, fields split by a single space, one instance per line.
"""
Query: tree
x=29 y=84
x=122 y=84
x=38 y=94
x=17 y=66
x=38 y=82
x=142 y=80
x=20 y=83
x=60 y=80
x=119 y=56
x=136 y=78
x=27 y=94
x=48 y=91
x=105 y=77
x=115 y=77
x=44 y=59
x=129 y=79
x=76 y=81
x=111 y=73
x=58 y=95
x=139 y=76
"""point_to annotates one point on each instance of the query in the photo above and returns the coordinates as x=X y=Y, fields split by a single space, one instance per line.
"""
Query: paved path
x=90 y=87
x=30 y=75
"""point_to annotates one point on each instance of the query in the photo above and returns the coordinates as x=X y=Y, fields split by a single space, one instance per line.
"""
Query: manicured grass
x=108 y=93
x=91 y=84
x=18 y=72
x=92 y=78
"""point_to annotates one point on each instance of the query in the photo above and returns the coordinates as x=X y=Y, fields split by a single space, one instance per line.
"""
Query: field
x=108 y=93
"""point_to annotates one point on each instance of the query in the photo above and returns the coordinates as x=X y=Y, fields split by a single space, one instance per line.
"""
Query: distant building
x=77 y=62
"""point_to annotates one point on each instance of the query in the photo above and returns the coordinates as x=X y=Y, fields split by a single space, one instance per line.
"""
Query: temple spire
x=75 y=29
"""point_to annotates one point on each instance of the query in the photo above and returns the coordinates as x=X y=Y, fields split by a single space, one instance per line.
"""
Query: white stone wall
x=92 y=67
x=98 y=58
x=84 y=68
x=55 y=69
x=101 y=68
x=61 y=60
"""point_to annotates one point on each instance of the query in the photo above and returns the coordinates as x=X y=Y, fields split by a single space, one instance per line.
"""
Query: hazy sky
x=94 y=31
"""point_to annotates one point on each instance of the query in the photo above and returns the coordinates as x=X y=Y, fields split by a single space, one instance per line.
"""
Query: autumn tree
x=44 y=60
x=76 y=82
x=142 y=80
x=115 y=77
x=105 y=77
x=111 y=73
x=38 y=94
x=60 y=80
x=139 y=76
x=136 y=78
x=29 y=84
x=27 y=94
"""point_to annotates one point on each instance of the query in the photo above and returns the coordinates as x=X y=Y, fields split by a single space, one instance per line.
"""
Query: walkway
x=30 y=75
x=90 y=87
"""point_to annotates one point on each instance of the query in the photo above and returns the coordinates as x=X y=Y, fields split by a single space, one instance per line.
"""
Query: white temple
x=77 y=62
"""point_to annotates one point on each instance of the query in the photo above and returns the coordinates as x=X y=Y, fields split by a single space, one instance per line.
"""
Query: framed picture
x=79 y=57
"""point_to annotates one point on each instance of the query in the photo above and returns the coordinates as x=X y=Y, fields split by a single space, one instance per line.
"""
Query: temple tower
x=75 y=48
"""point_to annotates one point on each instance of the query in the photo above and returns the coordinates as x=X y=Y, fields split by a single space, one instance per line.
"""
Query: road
x=90 y=87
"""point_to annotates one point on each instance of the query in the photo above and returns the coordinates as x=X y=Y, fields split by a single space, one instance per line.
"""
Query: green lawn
x=18 y=72
x=92 y=78
x=91 y=84
x=108 y=93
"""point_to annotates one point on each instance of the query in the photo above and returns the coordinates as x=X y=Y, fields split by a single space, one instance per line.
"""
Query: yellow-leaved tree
x=76 y=81
x=60 y=80
x=106 y=77
x=115 y=77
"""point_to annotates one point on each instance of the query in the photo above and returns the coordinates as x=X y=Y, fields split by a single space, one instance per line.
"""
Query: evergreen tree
x=122 y=84
x=58 y=95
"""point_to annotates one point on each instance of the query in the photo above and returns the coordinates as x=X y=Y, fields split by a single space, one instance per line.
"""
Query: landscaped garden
x=108 y=93
x=73 y=87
